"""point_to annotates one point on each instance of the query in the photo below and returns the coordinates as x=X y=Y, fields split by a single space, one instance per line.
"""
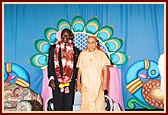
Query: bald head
x=91 y=43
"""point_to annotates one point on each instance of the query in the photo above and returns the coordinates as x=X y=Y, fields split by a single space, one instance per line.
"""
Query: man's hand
x=75 y=88
x=52 y=84
x=79 y=86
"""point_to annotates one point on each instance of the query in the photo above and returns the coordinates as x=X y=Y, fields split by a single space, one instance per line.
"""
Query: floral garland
x=67 y=54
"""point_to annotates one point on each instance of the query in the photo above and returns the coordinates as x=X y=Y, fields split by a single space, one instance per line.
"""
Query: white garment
x=161 y=69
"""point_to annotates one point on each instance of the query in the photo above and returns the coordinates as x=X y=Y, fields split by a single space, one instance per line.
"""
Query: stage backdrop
x=140 y=25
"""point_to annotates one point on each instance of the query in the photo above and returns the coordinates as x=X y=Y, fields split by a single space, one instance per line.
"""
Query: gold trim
x=133 y=82
x=134 y=85
x=136 y=88
x=22 y=82
x=146 y=62
x=9 y=67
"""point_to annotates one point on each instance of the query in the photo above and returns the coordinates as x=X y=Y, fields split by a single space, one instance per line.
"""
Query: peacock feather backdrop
x=81 y=29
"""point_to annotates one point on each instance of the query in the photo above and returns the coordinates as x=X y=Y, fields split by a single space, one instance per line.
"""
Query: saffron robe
x=91 y=66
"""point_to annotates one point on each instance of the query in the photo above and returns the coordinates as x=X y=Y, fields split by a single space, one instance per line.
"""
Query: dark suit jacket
x=51 y=69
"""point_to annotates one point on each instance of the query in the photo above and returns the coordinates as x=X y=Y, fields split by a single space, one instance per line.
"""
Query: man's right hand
x=79 y=86
x=52 y=84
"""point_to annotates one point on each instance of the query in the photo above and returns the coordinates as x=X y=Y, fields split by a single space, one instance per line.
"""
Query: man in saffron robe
x=62 y=71
x=92 y=76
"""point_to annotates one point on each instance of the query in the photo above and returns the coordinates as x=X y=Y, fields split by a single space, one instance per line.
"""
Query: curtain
x=140 y=25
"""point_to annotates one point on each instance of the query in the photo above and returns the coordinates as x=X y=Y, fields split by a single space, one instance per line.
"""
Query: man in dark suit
x=62 y=71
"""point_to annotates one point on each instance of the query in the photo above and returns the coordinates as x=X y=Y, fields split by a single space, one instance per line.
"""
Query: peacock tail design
x=81 y=29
